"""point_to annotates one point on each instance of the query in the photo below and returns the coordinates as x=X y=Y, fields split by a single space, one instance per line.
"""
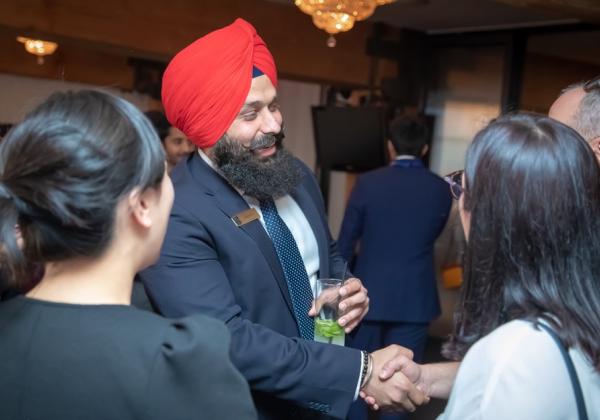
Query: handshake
x=396 y=382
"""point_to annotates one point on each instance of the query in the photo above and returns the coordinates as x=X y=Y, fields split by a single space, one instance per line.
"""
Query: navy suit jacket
x=209 y=265
x=396 y=213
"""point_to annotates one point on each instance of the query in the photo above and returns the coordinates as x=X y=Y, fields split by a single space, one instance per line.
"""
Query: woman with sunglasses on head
x=85 y=194
x=530 y=207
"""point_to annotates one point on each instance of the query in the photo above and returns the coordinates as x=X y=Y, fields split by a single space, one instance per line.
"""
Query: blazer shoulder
x=194 y=352
x=309 y=180
x=191 y=184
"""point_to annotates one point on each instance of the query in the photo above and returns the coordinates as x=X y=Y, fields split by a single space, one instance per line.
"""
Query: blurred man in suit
x=393 y=218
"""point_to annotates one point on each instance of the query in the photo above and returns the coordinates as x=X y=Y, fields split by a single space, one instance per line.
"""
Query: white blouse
x=517 y=372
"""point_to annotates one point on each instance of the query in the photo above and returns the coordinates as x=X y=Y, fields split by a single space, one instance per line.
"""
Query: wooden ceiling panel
x=586 y=10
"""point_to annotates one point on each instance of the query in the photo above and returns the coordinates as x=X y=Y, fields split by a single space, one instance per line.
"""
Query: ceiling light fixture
x=335 y=16
x=38 y=47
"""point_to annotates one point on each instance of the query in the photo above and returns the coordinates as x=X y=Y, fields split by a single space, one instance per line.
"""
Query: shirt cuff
x=359 y=376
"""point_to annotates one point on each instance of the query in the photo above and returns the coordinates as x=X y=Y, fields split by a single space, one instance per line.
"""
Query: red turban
x=206 y=83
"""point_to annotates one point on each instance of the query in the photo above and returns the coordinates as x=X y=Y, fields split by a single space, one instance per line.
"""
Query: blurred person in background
x=393 y=217
x=176 y=144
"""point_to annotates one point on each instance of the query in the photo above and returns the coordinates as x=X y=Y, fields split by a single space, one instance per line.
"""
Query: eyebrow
x=255 y=105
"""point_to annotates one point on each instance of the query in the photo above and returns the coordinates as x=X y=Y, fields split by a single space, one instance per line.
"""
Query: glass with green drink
x=327 y=329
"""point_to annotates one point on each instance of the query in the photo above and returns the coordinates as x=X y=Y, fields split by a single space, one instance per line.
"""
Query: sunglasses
x=455 y=181
x=592 y=84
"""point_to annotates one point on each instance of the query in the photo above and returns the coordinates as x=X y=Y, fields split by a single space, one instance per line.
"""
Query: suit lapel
x=231 y=203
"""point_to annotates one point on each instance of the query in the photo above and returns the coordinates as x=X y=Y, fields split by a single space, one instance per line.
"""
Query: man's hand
x=395 y=393
x=434 y=379
x=409 y=368
x=354 y=304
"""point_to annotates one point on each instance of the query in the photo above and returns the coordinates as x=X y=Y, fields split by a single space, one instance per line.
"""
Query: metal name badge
x=246 y=216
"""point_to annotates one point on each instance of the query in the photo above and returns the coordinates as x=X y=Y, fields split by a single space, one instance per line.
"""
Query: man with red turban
x=248 y=237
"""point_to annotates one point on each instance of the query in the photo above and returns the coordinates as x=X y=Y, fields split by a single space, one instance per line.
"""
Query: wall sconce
x=38 y=47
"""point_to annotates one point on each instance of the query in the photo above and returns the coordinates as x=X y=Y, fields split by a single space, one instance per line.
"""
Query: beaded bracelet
x=367 y=369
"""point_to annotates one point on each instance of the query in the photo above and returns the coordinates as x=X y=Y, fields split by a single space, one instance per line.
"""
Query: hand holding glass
x=327 y=329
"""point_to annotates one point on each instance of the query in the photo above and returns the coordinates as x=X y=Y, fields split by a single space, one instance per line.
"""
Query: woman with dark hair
x=530 y=206
x=85 y=194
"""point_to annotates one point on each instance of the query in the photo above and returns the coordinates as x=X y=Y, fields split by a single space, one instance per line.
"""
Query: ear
x=595 y=145
x=424 y=150
x=140 y=205
x=18 y=236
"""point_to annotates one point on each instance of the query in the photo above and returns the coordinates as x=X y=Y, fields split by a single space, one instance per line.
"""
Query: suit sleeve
x=352 y=225
x=192 y=376
x=189 y=279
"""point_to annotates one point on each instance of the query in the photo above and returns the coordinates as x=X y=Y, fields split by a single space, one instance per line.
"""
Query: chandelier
x=335 y=16
x=38 y=47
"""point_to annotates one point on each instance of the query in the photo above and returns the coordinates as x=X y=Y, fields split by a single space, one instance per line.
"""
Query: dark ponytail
x=63 y=171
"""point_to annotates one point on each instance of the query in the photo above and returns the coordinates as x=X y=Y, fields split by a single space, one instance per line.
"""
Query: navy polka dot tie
x=293 y=267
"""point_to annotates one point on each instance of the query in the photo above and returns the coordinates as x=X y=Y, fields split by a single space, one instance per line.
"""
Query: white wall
x=19 y=94
x=295 y=99
x=466 y=94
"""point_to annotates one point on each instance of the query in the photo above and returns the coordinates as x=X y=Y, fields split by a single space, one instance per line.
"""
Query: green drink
x=327 y=329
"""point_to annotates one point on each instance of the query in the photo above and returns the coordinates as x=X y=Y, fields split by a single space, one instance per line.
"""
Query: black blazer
x=72 y=362
x=209 y=265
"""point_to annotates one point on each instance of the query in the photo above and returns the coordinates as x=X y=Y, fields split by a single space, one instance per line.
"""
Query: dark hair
x=160 y=123
x=63 y=171
x=533 y=192
x=408 y=135
x=4 y=128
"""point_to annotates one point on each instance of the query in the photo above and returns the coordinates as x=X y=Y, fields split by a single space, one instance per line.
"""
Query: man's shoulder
x=374 y=174
x=192 y=188
x=183 y=176
x=308 y=178
x=304 y=168
x=422 y=174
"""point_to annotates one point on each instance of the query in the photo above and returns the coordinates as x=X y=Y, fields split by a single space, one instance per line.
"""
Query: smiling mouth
x=265 y=151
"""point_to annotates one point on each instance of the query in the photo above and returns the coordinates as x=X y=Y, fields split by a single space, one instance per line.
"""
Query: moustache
x=266 y=141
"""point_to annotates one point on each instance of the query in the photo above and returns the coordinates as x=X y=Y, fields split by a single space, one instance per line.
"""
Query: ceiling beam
x=585 y=10
x=157 y=29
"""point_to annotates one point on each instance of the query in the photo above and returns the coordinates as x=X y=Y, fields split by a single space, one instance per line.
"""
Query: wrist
x=438 y=378
x=367 y=369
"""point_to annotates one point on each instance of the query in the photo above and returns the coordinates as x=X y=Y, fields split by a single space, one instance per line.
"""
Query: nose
x=271 y=121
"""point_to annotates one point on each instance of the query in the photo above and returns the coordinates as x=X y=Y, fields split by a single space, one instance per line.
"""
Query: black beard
x=261 y=178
